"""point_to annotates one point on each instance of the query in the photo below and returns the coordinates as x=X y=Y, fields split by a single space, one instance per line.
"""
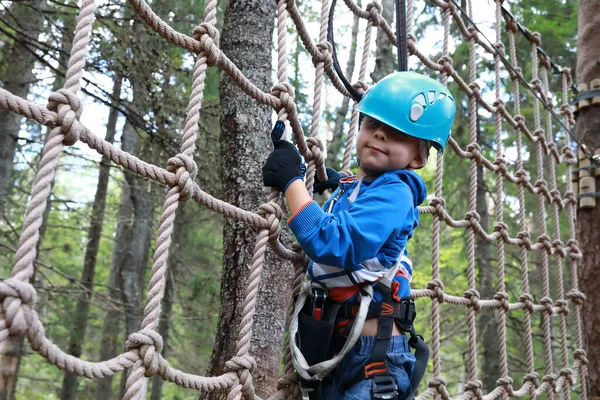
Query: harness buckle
x=384 y=387
x=320 y=296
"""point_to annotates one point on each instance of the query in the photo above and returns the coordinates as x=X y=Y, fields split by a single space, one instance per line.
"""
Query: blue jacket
x=364 y=234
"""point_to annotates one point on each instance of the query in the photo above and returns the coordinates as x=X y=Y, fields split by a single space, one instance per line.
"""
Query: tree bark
x=109 y=343
x=82 y=308
x=135 y=258
x=588 y=220
x=166 y=311
x=245 y=126
x=16 y=75
x=340 y=116
x=487 y=324
x=384 y=60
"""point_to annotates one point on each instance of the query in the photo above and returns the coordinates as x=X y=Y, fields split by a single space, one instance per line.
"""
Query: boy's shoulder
x=402 y=180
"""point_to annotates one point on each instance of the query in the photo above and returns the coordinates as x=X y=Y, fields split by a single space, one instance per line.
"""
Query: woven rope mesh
x=528 y=180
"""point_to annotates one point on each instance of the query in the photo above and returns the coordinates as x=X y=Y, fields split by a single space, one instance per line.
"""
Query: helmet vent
x=416 y=110
x=441 y=96
x=431 y=97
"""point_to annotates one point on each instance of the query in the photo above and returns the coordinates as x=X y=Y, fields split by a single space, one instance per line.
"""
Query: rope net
x=143 y=353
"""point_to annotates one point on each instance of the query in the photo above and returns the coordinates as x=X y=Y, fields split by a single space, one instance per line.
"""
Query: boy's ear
x=418 y=162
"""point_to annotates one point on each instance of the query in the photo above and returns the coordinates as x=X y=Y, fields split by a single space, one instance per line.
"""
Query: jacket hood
x=415 y=183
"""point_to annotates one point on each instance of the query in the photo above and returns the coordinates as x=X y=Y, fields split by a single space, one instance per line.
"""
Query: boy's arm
x=297 y=196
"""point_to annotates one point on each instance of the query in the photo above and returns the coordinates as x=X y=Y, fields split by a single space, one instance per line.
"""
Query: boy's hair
x=424 y=147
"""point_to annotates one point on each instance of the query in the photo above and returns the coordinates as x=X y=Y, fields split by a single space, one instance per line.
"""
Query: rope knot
x=547 y=303
x=208 y=36
x=324 y=54
x=149 y=343
x=570 y=198
x=533 y=378
x=68 y=108
x=581 y=356
x=360 y=87
x=500 y=164
x=511 y=25
x=241 y=363
x=474 y=387
x=563 y=306
x=374 y=9
x=272 y=213
x=437 y=382
x=475 y=90
x=573 y=249
x=557 y=245
x=570 y=157
x=539 y=134
x=525 y=240
x=522 y=175
x=506 y=383
x=501 y=227
x=536 y=38
x=473 y=296
x=473 y=34
x=520 y=120
x=502 y=297
x=527 y=299
x=185 y=169
x=285 y=93
x=18 y=301
x=556 y=198
x=446 y=63
x=567 y=373
x=551 y=379
x=544 y=241
x=499 y=105
x=438 y=288
x=316 y=149
x=438 y=202
x=500 y=47
x=473 y=217
x=576 y=297
x=475 y=151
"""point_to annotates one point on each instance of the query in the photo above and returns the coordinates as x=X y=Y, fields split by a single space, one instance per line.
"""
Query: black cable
x=401 y=35
x=558 y=69
x=518 y=75
x=336 y=65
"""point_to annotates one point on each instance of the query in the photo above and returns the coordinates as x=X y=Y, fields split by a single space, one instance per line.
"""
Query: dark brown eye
x=374 y=123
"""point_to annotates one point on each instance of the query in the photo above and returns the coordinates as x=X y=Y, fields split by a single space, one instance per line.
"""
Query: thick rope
x=144 y=347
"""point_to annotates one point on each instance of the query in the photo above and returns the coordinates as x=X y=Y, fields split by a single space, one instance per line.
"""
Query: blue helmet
x=414 y=104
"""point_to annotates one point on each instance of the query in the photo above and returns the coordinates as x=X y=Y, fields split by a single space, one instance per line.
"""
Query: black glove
x=333 y=178
x=284 y=165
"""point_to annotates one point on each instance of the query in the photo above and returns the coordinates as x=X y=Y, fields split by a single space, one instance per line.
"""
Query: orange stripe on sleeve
x=300 y=209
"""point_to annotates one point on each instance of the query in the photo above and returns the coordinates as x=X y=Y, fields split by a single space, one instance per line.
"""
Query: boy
x=369 y=219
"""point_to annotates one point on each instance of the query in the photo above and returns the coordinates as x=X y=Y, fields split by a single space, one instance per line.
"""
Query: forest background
x=98 y=236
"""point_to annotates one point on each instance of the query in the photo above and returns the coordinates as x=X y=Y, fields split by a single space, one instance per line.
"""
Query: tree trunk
x=76 y=340
x=109 y=343
x=16 y=75
x=245 y=126
x=487 y=324
x=384 y=61
x=135 y=258
x=340 y=116
x=588 y=220
x=167 y=303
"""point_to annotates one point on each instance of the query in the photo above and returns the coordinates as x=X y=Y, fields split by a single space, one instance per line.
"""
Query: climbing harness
x=312 y=337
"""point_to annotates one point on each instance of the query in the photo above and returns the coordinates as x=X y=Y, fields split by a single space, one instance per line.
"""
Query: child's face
x=381 y=148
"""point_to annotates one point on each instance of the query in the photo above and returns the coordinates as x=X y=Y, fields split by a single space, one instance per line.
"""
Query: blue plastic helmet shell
x=414 y=104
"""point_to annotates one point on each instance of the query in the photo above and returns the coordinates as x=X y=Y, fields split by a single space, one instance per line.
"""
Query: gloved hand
x=333 y=178
x=284 y=165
